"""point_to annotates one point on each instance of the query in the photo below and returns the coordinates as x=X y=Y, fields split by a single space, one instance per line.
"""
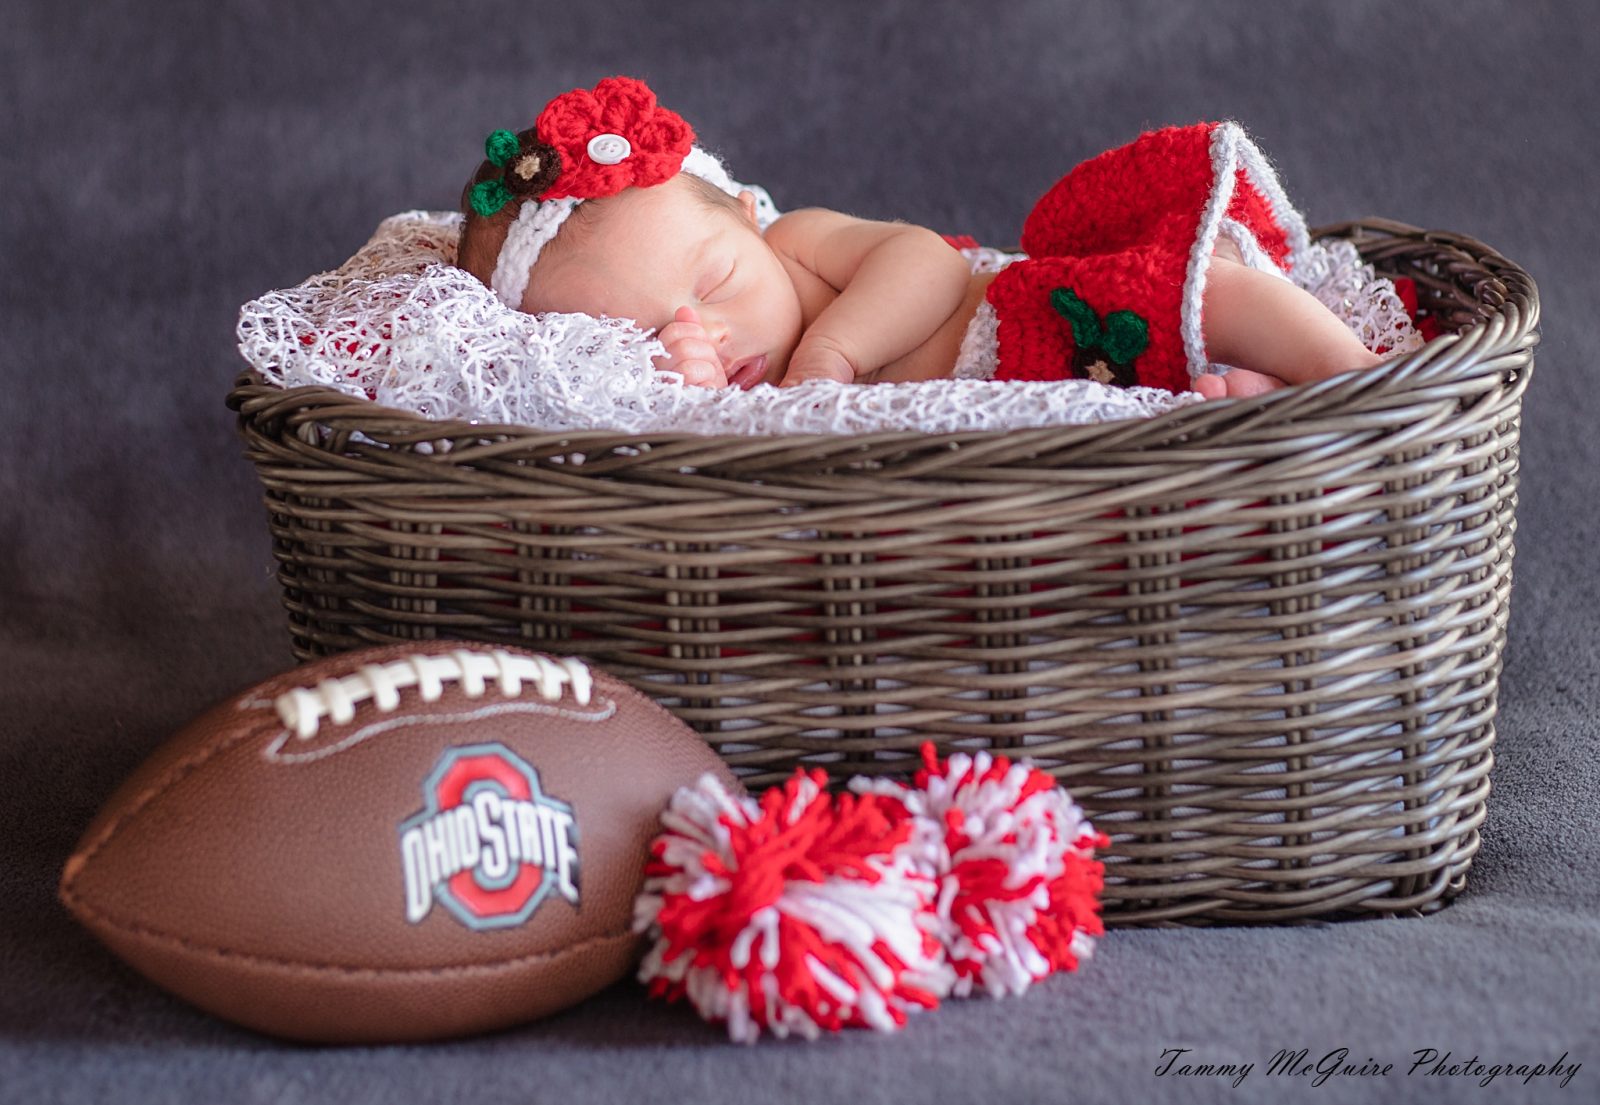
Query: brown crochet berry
x=1093 y=364
x=535 y=166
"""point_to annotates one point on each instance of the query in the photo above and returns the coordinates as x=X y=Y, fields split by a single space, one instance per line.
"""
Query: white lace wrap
x=399 y=324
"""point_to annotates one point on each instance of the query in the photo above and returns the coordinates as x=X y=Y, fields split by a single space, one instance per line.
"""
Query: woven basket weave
x=1257 y=639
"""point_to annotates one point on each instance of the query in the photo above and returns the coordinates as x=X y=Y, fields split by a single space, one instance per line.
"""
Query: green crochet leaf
x=489 y=196
x=1085 y=325
x=1126 y=336
x=500 y=147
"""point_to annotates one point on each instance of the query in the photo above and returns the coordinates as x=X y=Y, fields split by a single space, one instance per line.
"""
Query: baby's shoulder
x=827 y=242
x=816 y=223
x=805 y=223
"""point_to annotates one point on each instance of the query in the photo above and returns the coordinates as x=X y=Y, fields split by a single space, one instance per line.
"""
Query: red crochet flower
x=657 y=139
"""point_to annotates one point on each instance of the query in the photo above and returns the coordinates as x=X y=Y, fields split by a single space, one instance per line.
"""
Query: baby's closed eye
x=719 y=285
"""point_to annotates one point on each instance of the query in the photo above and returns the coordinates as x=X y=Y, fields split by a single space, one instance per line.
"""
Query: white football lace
x=303 y=708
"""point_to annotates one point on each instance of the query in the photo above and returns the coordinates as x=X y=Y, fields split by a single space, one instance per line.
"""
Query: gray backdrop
x=165 y=161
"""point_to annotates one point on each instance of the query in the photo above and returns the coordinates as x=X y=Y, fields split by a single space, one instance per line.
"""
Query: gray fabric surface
x=165 y=162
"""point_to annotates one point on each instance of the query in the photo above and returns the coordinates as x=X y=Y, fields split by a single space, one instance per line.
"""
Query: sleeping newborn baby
x=605 y=207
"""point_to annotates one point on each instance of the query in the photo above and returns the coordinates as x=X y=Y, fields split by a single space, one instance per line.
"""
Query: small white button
x=608 y=149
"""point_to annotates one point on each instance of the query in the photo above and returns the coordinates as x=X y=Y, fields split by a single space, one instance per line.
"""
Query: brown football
x=399 y=843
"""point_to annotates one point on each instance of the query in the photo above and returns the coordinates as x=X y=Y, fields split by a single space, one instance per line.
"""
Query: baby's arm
x=897 y=285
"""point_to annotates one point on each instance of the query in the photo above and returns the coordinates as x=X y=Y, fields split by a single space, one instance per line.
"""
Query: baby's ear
x=748 y=199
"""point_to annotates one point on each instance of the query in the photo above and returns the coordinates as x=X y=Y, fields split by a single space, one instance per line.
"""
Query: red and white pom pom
x=796 y=914
x=1018 y=887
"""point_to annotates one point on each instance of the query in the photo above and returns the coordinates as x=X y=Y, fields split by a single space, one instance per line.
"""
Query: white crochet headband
x=586 y=144
x=538 y=222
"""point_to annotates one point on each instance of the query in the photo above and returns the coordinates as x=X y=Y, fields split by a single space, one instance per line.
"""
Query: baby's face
x=656 y=249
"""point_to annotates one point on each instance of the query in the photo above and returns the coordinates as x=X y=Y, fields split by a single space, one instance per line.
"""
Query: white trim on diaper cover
x=1232 y=150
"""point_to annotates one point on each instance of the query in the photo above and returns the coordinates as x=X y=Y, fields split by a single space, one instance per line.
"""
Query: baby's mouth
x=747 y=373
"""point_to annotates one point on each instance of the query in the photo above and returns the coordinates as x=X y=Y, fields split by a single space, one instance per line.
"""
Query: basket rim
x=1511 y=324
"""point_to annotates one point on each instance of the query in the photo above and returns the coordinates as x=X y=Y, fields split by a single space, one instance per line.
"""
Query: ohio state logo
x=488 y=844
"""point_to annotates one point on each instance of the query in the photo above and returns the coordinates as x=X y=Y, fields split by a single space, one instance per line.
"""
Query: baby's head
x=606 y=208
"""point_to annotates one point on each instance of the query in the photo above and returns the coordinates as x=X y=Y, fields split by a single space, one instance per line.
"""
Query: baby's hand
x=690 y=352
x=818 y=360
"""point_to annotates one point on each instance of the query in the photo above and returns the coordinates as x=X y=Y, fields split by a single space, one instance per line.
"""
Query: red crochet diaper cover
x=1117 y=255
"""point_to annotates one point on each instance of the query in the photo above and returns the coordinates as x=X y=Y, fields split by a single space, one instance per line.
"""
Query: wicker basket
x=1257 y=639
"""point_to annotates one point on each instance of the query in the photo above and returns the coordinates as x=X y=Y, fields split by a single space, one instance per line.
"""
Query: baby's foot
x=1236 y=383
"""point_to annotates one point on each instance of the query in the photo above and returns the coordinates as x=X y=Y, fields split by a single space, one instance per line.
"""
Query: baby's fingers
x=678 y=331
x=693 y=349
x=685 y=324
x=690 y=352
x=701 y=374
